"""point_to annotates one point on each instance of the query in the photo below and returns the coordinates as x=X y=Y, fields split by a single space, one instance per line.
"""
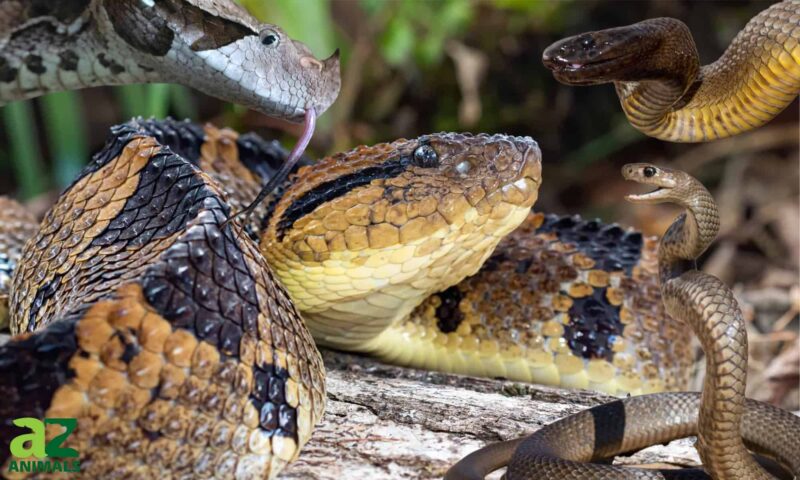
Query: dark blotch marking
x=209 y=31
x=34 y=64
x=132 y=348
x=593 y=324
x=448 y=315
x=336 y=188
x=169 y=194
x=110 y=64
x=45 y=293
x=182 y=137
x=611 y=246
x=68 y=60
x=142 y=28
x=7 y=72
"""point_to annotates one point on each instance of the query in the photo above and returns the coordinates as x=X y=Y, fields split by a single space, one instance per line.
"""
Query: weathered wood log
x=389 y=422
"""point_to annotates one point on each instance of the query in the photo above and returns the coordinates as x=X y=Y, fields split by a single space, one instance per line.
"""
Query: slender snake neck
x=710 y=309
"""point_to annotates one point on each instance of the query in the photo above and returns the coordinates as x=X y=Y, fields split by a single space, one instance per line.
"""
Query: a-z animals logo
x=32 y=453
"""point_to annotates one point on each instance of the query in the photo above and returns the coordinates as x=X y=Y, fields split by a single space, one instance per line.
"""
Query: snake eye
x=269 y=37
x=649 y=171
x=425 y=156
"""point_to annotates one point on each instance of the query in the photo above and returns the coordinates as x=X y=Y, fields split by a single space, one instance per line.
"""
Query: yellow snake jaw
x=361 y=242
x=664 y=91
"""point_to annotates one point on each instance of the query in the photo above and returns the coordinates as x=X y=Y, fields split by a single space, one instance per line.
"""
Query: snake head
x=669 y=183
x=221 y=50
x=630 y=53
x=391 y=223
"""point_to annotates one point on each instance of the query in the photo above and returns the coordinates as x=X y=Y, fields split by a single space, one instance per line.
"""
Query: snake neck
x=708 y=306
x=48 y=54
x=691 y=234
x=754 y=80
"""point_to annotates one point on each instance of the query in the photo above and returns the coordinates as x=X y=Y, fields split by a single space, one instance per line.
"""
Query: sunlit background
x=415 y=67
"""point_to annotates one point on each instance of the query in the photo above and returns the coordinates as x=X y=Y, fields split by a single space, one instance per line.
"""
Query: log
x=389 y=422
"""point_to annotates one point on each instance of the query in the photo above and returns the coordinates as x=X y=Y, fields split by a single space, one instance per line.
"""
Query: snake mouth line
x=588 y=72
x=647 y=196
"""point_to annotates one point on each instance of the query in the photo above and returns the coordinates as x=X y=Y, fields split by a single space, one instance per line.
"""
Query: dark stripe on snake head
x=142 y=28
x=264 y=158
x=328 y=191
x=208 y=31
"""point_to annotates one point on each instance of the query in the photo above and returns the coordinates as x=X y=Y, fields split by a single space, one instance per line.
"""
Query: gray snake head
x=220 y=49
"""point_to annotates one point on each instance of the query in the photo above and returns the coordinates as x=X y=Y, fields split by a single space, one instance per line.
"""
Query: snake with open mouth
x=725 y=422
x=158 y=323
x=664 y=91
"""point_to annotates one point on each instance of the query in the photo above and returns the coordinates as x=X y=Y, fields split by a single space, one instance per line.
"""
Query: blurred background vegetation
x=415 y=67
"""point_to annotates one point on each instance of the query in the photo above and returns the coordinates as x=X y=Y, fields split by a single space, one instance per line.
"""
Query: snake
x=665 y=92
x=174 y=336
x=725 y=423
x=214 y=46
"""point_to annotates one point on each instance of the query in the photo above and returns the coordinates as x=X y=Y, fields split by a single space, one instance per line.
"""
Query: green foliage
x=418 y=29
x=23 y=146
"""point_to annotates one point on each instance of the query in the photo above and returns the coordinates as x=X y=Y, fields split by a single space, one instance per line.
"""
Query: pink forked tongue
x=308 y=131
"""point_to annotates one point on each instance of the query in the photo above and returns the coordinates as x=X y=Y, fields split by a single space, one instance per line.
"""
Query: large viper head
x=220 y=49
x=369 y=233
x=658 y=48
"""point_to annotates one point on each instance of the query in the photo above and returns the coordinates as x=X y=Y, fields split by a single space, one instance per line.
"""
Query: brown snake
x=667 y=94
x=721 y=417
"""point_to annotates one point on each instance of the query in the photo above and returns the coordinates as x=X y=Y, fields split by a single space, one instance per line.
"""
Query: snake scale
x=158 y=323
x=664 y=91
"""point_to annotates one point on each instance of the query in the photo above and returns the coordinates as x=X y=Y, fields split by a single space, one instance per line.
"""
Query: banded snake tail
x=726 y=423
x=664 y=91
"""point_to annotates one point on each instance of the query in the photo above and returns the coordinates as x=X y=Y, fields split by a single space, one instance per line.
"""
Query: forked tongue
x=308 y=131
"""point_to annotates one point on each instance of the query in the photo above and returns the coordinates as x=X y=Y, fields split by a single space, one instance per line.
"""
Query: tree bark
x=390 y=422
